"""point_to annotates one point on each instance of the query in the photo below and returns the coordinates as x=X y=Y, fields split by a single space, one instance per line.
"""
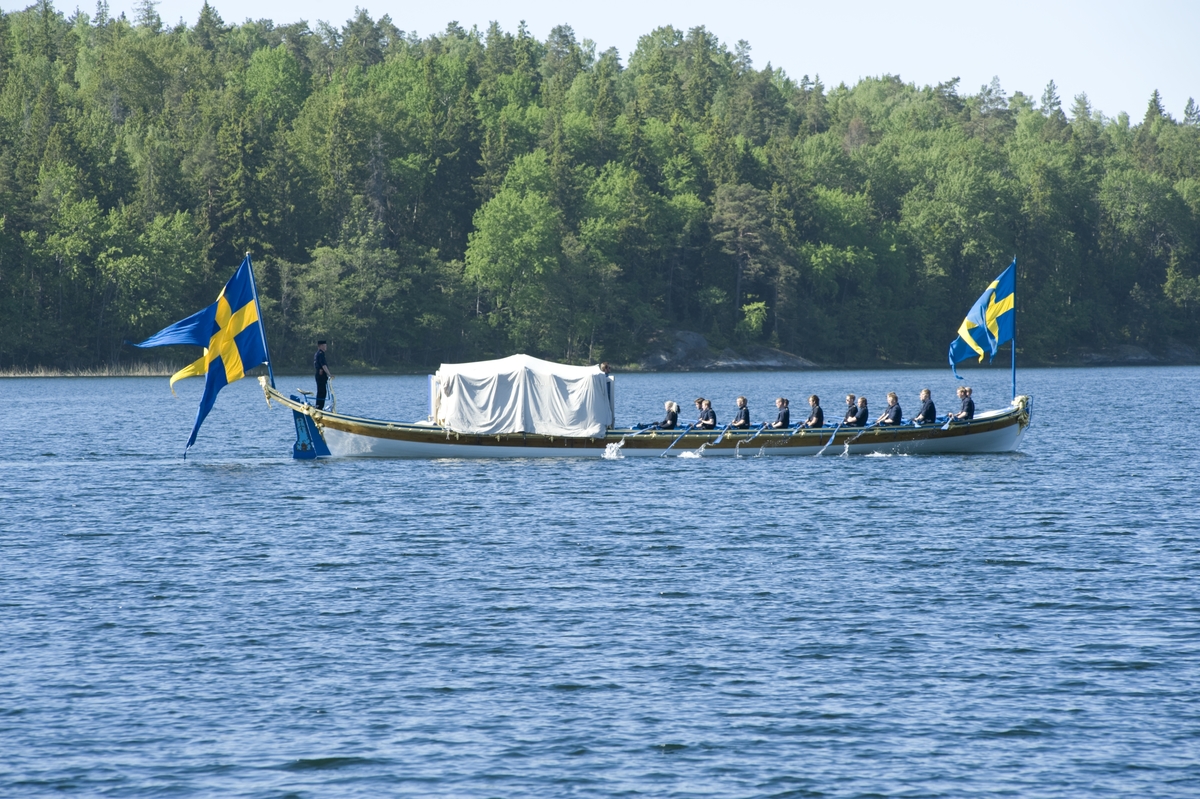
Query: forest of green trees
x=476 y=193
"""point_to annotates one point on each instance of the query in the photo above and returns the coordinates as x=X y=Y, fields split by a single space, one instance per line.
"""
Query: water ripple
x=241 y=624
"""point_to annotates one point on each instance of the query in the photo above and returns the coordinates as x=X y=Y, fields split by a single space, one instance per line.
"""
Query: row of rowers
x=857 y=414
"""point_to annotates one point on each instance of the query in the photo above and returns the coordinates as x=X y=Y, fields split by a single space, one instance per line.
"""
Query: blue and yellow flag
x=232 y=336
x=989 y=323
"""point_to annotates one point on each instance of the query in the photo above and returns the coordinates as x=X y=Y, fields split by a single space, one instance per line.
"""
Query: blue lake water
x=241 y=624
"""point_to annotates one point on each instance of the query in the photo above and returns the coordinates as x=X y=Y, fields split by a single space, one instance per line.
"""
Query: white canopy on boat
x=522 y=394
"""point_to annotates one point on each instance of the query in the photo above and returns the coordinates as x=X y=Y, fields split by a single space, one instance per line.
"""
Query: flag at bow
x=989 y=323
x=232 y=336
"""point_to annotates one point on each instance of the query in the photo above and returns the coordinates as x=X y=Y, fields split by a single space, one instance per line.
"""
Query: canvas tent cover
x=521 y=394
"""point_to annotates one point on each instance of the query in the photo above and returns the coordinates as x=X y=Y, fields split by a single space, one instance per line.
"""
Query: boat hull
x=353 y=437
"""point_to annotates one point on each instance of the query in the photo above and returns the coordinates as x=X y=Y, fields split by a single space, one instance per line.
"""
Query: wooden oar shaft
x=686 y=430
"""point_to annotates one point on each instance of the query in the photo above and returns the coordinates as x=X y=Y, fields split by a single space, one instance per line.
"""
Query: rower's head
x=604 y=367
x=699 y=402
x=862 y=402
x=892 y=398
x=741 y=402
x=968 y=389
x=322 y=346
x=706 y=404
x=925 y=394
x=814 y=400
x=780 y=402
x=850 y=399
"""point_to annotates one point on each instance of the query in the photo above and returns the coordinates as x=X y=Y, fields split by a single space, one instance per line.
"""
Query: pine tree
x=146 y=16
x=1050 y=99
x=1191 y=113
x=210 y=28
x=1154 y=109
x=1082 y=108
x=5 y=46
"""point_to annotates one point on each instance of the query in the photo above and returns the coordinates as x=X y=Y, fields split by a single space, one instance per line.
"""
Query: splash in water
x=699 y=453
x=612 y=451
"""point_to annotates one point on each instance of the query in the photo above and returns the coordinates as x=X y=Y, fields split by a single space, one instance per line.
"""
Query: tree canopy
x=473 y=193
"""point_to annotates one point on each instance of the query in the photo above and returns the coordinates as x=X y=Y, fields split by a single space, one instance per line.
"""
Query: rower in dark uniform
x=708 y=418
x=860 y=416
x=892 y=415
x=741 y=417
x=784 y=417
x=816 y=417
x=851 y=410
x=968 y=406
x=672 y=420
x=928 y=414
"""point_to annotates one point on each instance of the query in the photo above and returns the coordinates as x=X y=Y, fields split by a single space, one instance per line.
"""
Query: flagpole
x=262 y=326
x=1014 y=335
x=1014 y=366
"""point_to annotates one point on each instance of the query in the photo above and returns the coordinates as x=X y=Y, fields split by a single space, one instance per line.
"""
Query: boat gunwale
x=633 y=438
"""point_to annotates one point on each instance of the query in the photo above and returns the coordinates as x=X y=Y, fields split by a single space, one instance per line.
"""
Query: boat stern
x=310 y=444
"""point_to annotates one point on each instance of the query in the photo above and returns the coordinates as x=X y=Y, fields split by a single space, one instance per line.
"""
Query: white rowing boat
x=330 y=434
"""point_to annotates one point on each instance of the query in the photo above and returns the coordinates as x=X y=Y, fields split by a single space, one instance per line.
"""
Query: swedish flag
x=231 y=333
x=989 y=323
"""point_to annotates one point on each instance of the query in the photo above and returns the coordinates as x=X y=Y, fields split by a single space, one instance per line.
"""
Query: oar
x=686 y=430
x=949 y=421
x=830 y=441
x=761 y=428
x=723 y=432
x=860 y=432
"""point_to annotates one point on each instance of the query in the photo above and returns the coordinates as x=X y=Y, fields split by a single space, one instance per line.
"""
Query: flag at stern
x=231 y=333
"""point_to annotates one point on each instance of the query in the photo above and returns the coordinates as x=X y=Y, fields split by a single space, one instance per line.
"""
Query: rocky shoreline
x=1175 y=353
x=685 y=351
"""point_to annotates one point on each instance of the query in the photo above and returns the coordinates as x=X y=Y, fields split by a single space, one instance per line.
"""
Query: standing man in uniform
x=323 y=374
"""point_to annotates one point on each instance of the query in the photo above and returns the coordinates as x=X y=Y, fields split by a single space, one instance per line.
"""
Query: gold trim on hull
x=997 y=431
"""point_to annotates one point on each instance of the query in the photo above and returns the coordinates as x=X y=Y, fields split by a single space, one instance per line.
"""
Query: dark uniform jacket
x=741 y=418
x=816 y=419
x=928 y=412
x=892 y=415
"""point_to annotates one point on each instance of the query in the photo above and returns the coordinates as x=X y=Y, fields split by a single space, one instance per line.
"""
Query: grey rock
x=1123 y=355
x=685 y=351
x=1178 y=352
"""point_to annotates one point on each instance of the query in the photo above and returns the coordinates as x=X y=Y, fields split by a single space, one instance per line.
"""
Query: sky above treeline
x=1117 y=52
